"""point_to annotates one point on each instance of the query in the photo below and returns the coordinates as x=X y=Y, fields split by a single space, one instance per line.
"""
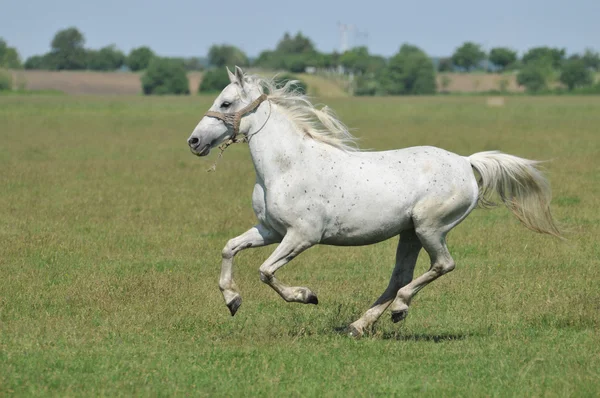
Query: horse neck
x=277 y=146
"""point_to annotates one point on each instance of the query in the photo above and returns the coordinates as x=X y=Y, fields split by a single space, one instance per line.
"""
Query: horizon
x=170 y=32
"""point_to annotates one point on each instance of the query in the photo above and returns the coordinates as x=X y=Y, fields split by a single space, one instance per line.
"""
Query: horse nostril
x=193 y=141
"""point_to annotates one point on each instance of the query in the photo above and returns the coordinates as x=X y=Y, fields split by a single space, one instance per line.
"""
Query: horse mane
x=319 y=124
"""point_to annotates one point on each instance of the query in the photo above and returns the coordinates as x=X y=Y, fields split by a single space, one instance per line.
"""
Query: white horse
x=314 y=187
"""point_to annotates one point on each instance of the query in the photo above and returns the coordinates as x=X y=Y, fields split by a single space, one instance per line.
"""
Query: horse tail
x=520 y=185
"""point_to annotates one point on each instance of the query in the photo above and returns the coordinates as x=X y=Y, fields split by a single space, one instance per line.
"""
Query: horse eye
x=225 y=104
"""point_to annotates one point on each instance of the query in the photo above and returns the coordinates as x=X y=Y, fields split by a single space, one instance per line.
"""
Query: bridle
x=233 y=120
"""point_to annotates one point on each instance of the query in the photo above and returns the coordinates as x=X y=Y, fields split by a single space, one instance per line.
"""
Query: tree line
x=68 y=52
x=408 y=72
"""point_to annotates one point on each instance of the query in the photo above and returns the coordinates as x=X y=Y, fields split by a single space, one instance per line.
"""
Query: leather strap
x=233 y=120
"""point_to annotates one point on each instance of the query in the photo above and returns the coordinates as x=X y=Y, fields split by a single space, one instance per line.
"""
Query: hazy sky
x=190 y=27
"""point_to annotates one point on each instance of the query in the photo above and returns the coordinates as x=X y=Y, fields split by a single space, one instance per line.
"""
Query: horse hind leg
x=406 y=259
x=431 y=229
x=441 y=263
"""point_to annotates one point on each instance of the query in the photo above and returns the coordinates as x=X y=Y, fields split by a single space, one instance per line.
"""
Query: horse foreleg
x=406 y=259
x=255 y=237
x=291 y=246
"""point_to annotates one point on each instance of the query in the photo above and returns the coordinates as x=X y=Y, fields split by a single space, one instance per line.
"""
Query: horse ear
x=239 y=74
x=232 y=78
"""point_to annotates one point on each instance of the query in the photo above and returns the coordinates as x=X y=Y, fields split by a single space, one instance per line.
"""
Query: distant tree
x=334 y=59
x=503 y=57
x=355 y=60
x=591 y=59
x=9 y=56
x=445 y=65
x=266 y=59
x=214 y=81
x=107 y=58
x=468 y=56
x=554 y=56
x=534 y=75
x=298 y=44
x=165 y=76
x=67 y=51
x=410 y=72
x=295 y=63
x=139 y=58
x=330 y=60
x=193 y=63
x=43 y=62
x=294 y=54
x=226 y=55
x=576 y=74
x=377 y=64
x=35 y=62
x=359 y=61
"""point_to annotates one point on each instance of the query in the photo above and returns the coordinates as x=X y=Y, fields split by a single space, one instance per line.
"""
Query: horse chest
x=279 y=206
x=266 y=206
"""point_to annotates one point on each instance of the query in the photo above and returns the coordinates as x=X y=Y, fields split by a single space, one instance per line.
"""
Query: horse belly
x=367 y=224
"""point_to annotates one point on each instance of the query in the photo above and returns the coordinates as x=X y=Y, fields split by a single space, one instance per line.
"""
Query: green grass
x=110 y=241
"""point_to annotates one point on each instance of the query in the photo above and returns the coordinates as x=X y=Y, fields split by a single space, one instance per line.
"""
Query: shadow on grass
x=399 y=336
x=436 y=338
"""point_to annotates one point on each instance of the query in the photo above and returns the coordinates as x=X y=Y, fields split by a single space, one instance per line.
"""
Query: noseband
x=233 y=120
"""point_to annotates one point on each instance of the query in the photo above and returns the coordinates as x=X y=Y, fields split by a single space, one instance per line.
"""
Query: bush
x=165 y=76
x=214 y=81
x=576 y=74
x=6 y=81
x=589 y=90
x=366 y=86
x=534 y=77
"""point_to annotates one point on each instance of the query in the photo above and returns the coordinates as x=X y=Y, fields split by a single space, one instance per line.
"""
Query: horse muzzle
x=196 y=150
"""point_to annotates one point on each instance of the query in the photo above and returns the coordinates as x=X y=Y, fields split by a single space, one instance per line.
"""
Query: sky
x=189 y=27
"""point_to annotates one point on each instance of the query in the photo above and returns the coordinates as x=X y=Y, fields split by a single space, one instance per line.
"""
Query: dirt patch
x=89 y=83
x=127 y=83
x=475 y=82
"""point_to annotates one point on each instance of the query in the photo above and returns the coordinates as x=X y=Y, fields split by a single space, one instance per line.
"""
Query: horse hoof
x=312 y=299
x=234 y=305
x=353 y=331
x=399 y=315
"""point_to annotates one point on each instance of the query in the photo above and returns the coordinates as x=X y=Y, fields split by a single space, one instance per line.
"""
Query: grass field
x=110 y=242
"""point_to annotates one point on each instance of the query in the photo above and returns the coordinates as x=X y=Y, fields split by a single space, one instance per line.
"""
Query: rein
x=233 y=120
